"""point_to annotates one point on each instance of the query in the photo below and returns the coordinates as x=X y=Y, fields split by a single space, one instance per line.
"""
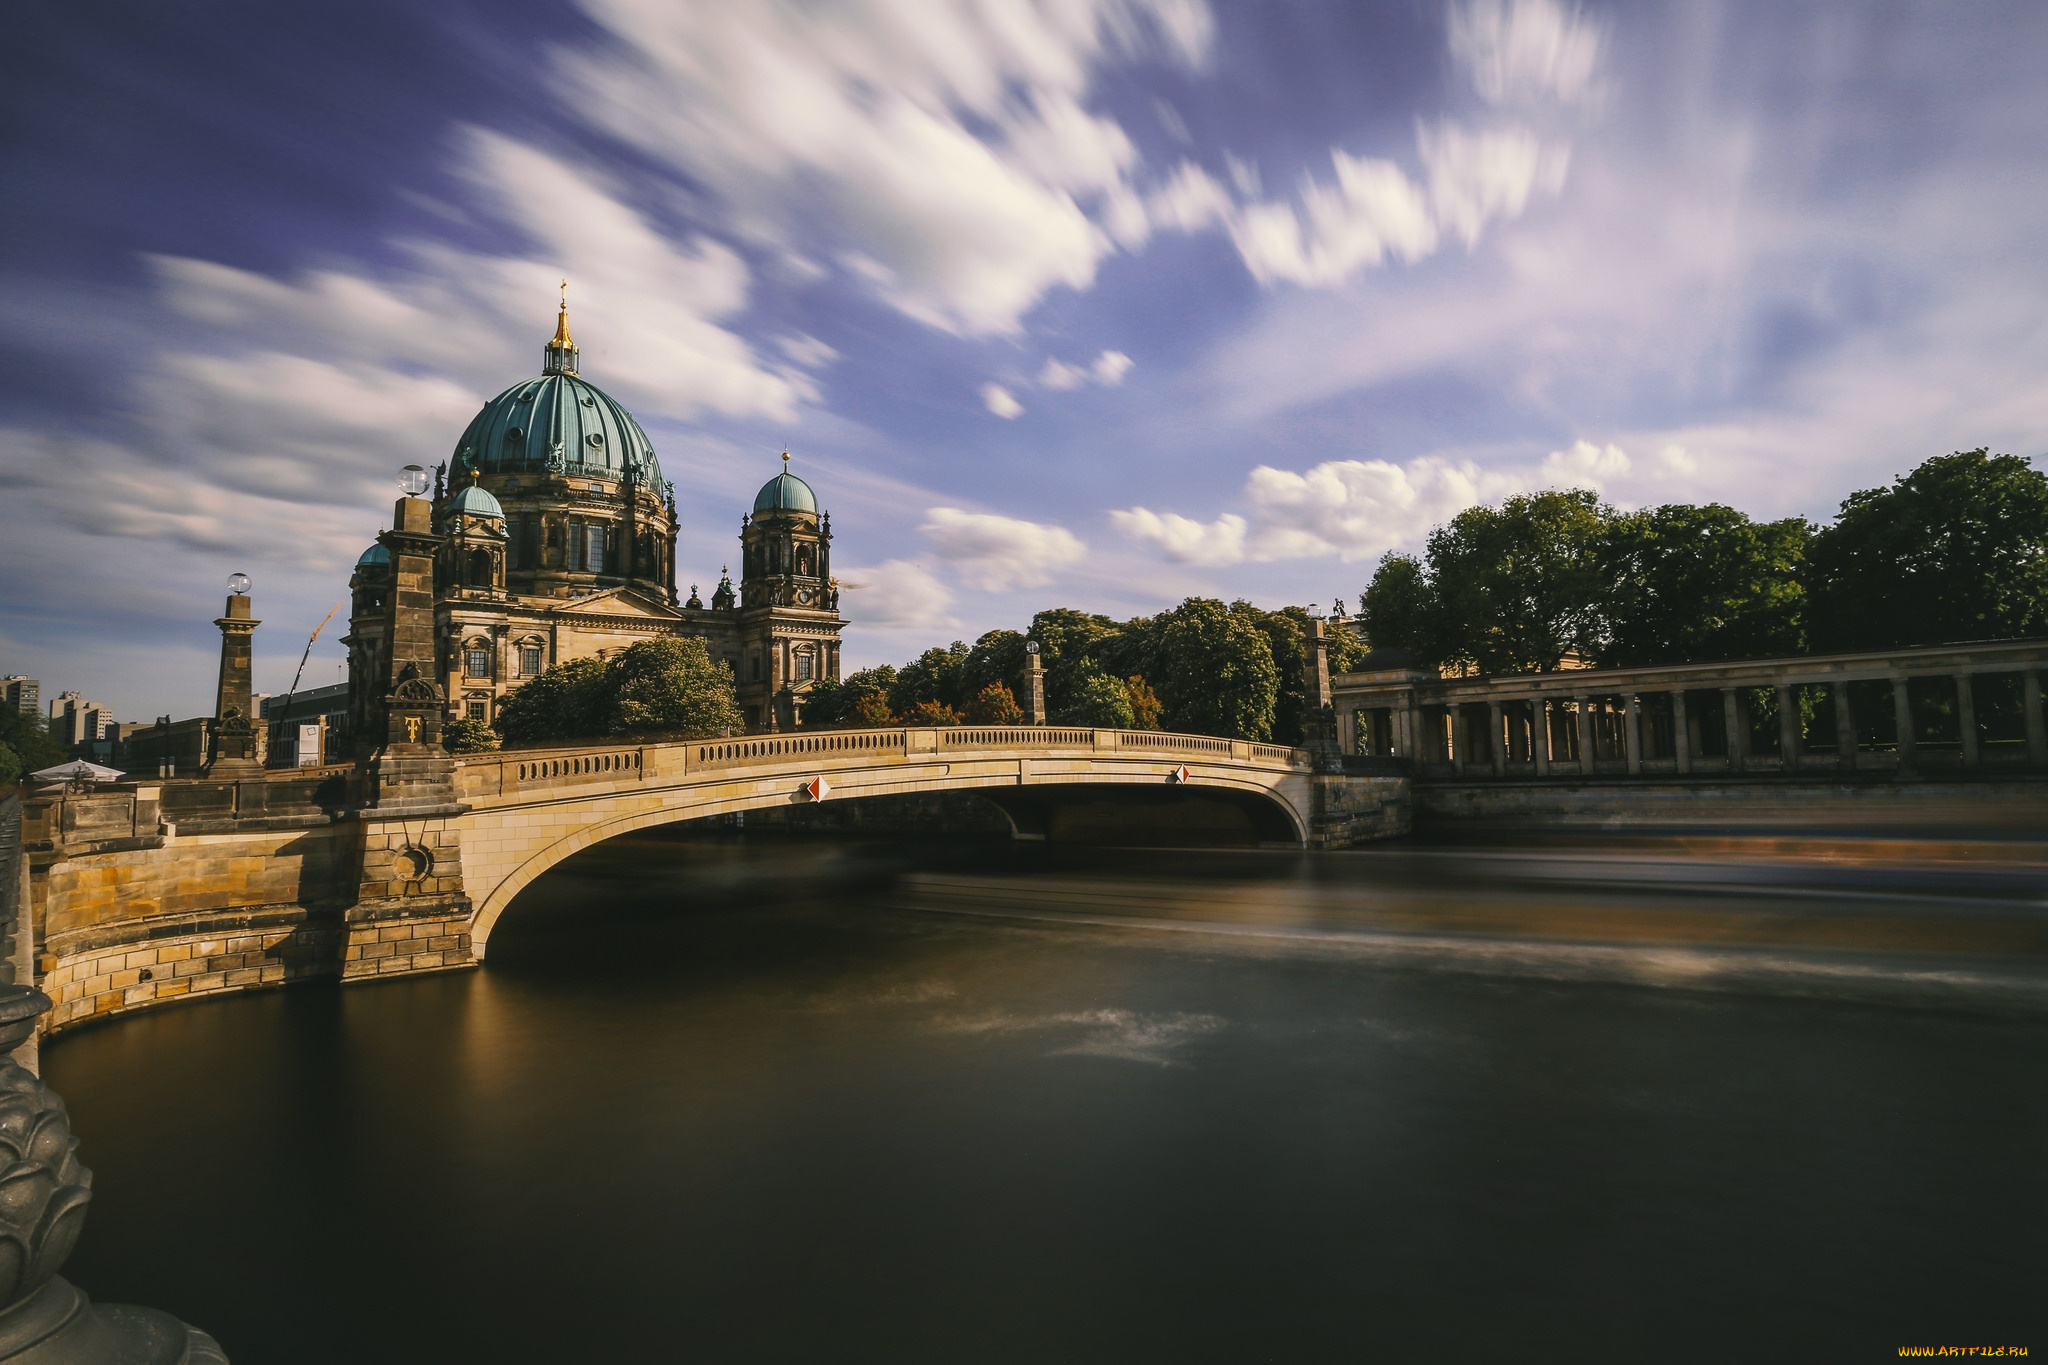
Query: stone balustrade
x=1949 y=709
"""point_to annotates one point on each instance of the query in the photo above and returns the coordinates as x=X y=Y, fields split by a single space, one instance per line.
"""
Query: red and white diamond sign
x=1179 y=774
x=816 y=788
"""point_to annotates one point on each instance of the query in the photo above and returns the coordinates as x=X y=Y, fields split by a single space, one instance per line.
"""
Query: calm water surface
x=726 y=1101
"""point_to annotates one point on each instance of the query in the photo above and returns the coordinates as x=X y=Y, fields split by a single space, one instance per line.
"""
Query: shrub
x=994 y=705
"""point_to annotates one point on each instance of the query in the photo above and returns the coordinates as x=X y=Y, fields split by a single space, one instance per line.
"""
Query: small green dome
x=786 y=493
x=558 y=422
x=475 y=501
x=374 y=557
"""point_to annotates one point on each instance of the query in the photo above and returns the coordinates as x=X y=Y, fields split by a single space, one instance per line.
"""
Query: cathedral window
x=529 y=661
x=475 y=710
x=803 y=665
x=476 y=661
x=593 y=549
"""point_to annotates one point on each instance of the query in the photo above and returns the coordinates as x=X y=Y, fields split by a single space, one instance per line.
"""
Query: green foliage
x=670 y=686
x=1098 y=701
x=664 y=686
x=841 y=702
x=1071 y=646
x=871 y=711
x=996 y=659
x=465 y=736
x=1520 y=585
x=933 y=676
x=27 y=735
x=994 y=704
x=1955 y=550
x=931 y=713
x=1399 y=608
x=1699 y=583
x=1213 y=669
x=10 y=766
x=568 y=702
x=1145 y=708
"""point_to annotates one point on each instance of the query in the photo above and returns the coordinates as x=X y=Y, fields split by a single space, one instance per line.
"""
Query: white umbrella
x=78 y=770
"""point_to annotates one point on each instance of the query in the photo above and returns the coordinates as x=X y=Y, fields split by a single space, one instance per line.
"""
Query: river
x=766 y=1100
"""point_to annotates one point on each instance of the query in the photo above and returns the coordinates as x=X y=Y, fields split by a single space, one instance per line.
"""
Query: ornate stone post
x=1319 y=721
x=1034 y=685
x=1539 y=735
x=1966 y=720
x=1845 y=728
x=1902 y=714
x=234 y=729
x=1632 y=732
x=1582 y=732
x=1496 y=740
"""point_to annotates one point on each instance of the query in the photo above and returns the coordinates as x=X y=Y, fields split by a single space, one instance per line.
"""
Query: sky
x=1088 y=303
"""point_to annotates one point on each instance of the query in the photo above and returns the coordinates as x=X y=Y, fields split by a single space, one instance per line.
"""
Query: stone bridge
x=150 y=891
x=526 y=811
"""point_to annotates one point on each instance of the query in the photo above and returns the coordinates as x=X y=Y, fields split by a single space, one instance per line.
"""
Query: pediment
x=616 y=602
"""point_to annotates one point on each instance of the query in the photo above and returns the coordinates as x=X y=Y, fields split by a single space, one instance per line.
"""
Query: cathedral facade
x=554 y=538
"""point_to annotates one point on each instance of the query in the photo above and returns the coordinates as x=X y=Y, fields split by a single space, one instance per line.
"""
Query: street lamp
x=238 y=584
x=412 y=480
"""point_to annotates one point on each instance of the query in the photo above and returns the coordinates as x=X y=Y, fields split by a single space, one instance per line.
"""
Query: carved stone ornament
x=44 y=1193
x=412 y=689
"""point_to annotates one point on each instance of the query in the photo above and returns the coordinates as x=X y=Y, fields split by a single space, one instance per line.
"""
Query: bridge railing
x=506 y=772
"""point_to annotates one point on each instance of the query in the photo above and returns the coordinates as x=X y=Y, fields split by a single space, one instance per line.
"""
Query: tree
x=1399 y=608
x=995 y=704
x=934 y=676
x=465 y=736
x=1099 y=702
x=670 y=686
x=1145 y=707
x=566 y=702
x=1214 y=670
x=10 y=766
x=1071 y=645
x=931 y=713
x=997 y=658
x=871 y=711
x=1699 y=583
x=1955 y=550
x=27 y=736
x=841 y=702
x=1518 y=586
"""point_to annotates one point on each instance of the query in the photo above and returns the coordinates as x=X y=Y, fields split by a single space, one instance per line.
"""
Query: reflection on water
x=853 y=1101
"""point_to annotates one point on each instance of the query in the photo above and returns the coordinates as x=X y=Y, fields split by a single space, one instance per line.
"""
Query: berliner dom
x=555 y=539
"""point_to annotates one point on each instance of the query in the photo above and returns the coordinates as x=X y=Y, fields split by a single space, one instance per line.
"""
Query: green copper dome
x=557 y=423
x=376 y=555
x=786 y=493
x=475 y=501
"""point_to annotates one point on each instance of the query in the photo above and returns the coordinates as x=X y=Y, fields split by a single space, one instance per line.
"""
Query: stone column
x=1582 y=732
x=1734 y=727
x=1681 y=736
x=1788 y=729
x=1632 y=732
x=1966 y=720
x=2037 y=734
x=1460 y=744
x=1539 y=734
x=234 y=729
x=1902 y=714
x=1034 y=690
x=1496 y=739
x=1845 y=728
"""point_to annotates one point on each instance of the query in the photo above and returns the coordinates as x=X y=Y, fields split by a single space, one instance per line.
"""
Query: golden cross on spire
x=785 y=459
x=565 y=296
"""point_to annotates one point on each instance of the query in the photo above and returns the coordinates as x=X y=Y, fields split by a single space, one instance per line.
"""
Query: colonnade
x=1702 y=718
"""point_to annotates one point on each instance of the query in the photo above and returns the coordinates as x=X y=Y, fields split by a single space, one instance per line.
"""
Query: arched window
x=476 y=659
x=480 y=575
x=804 y=665
x=532 y=658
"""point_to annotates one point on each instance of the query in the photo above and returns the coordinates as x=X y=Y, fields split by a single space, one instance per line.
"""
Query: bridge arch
x=553 y=806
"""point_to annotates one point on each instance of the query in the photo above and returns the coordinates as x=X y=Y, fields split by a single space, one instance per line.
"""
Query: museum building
x=555 y=539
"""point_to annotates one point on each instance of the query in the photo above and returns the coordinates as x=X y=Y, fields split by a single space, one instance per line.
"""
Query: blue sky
x=1097 y=303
